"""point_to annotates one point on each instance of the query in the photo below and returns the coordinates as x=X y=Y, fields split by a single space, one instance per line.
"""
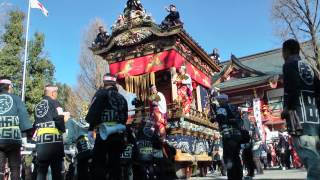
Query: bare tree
x=76 y=105
x=299 y=19
x=92 y=67
x=90 y=77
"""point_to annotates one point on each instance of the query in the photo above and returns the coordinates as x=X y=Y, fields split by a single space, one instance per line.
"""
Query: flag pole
x=25 y=55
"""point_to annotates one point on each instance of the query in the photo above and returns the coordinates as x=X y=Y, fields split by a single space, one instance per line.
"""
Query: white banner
x=257 y=115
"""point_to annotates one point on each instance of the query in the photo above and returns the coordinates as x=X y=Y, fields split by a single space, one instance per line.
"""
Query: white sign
x=257 y=114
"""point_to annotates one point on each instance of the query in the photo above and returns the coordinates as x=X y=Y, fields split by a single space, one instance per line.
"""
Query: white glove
x=24 y=140
x=91 y=137
x=66 y=116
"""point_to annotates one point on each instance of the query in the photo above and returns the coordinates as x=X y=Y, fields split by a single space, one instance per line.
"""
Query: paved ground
x=292 y=174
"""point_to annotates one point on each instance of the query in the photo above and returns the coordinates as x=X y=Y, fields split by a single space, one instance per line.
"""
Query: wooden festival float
x=140 y=53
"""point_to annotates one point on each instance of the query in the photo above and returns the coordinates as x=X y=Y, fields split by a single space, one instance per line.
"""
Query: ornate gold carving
x=132 y=37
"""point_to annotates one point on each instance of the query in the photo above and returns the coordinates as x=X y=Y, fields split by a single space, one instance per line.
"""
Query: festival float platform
x=141 y=53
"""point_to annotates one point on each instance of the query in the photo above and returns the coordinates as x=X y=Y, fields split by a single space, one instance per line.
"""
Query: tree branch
x=316 y=12
x=303 y=30
x=307 y=14
x=295 y=11
x=317 y=26
x=289 y=25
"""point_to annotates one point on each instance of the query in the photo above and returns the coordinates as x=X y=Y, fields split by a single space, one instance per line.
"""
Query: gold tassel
x=152 y=78
x=131 y=84
x=137 y=79
x=127 y=81
x=142 y=87
x=134 y=84
x=145 y=86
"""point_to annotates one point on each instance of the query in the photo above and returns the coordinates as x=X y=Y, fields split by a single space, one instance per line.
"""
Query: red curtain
x=156 y=62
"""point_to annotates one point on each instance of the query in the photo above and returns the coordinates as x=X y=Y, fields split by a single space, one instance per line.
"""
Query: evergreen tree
x=64 y=94
x=40 y=72
x=10 y=54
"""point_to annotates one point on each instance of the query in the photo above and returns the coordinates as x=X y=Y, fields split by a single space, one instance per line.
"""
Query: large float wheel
x=180 y=171
x=203 y=171
x=183 y=171
x=189 y=171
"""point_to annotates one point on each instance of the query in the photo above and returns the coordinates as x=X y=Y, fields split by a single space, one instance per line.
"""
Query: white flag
x=38 y=5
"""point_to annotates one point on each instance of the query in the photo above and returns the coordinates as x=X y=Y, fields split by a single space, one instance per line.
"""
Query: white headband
x=51 y=88
x=109 y=78
x=5 y=81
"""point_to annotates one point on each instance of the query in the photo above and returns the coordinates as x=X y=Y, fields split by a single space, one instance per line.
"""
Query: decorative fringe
x=140 y=85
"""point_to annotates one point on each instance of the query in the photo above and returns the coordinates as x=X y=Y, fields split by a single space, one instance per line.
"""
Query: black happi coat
x=13 y=119
x=101 y=38
x=301 y=93
x=227 y=117
x=107 y=105
x=49 y=146
x=173 y=16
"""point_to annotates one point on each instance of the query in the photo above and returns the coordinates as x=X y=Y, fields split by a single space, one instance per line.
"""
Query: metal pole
x=25 y=56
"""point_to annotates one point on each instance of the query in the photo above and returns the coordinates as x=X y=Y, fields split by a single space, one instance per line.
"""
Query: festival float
x=142 y=53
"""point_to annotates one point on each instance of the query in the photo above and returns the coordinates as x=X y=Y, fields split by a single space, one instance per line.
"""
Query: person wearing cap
x=49 y=125
x=158 y=109
x=108 y=109
x=101 y=38
x=13 y=121
x=172 y=19
x=229 y=124
x=184 y=87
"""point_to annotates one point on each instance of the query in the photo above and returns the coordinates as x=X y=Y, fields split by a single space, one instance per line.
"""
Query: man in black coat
x=108 y=109
x=172 y=19
x=230 y=124
x=13 y=121
x=301 y=102
x=49 y=125
x=247 y=153
x=101 y=38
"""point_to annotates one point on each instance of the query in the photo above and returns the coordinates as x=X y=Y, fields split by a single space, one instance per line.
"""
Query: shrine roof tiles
x=244 y=82
x=269 y=62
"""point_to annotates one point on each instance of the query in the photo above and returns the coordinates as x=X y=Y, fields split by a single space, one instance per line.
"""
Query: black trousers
x=56 y=169
x=258 y=165
x=231 y=157
x=285 y=159
x=106 y=157
x=247 y=157
x=83 y=169
x=12 y=152
x=220 y=165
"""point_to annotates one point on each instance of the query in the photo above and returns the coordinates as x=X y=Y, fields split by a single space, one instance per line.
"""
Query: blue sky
x=233 y=26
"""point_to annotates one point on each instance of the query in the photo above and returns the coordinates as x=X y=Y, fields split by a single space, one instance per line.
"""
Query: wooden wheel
x=203 y=171
x=183 y=171
x=188 y=170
